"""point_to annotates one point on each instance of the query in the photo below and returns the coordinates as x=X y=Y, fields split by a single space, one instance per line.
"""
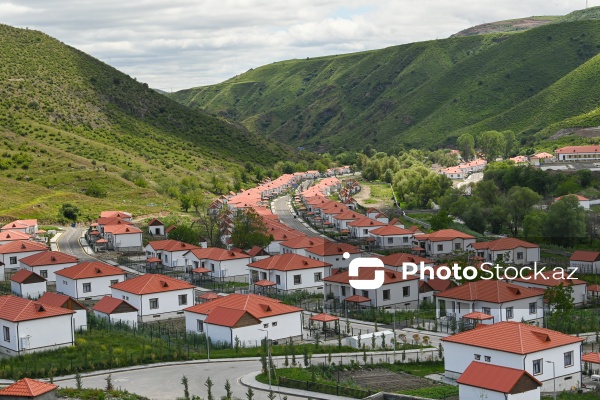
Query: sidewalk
x=54 y=239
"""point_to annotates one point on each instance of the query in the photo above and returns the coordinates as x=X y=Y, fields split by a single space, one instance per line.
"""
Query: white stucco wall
x=168 y=303
x=100 y=286
x=129 y=318
x=43 y=333
x=29 y=290
x=50 y=269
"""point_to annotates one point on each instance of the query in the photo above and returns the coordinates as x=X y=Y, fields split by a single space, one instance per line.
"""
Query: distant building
x=578 y=153
x=29 y=389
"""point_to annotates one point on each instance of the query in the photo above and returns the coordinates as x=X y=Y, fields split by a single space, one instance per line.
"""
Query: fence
x=325 y=388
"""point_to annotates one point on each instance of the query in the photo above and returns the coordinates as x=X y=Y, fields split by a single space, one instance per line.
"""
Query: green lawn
x=97 y=394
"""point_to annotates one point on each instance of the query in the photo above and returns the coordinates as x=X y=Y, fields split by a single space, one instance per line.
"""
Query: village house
x=520 y=160
x=46 y=263
x=578 y=153
x=509 y=250
x=123 y=237
x=494 y=382
x=30 y=326
x=117 y=214
x=550 y=278
x=522 y=346
x=88 y=280
x=444 y=242
x=155 y=296
x=156 y=227
x=222 y=263
x=340 y=221
x=396 y=261
x=500 y=300
x=246 y=318
x=299 y=245
x=290 y=272
x=27 y=284
x=11 y=253
x=29 y=389
x=395 y=291
x=540 y=159
x=102 y=223
x=68 y=303
x=584 y=202
x=116 y=311
x=333 y=253
x=586 y=262
x=258 y=253
x=28 y=226
x=11 y=236
x=361 y=228
x=392 y=237
x=430 y=287
x=170 y=252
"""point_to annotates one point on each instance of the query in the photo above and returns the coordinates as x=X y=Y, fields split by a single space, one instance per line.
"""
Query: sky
x=178 y=44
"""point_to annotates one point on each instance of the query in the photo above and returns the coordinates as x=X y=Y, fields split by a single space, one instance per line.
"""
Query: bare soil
x=382 y=379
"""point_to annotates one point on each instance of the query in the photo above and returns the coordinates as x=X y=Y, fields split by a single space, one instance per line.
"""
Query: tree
x=249 y=230
x=228 y=392
x=94 y=189
x=510 y=143
x=109 y=384
x=209 y=384
x=186 y=387
x=565 y=222
x=440 y=220
x=271 y=395
x=78 y=381
x=560 y=302
x=518 y=204
x=249 y=394
x=185 y=201
x=185 y=233
x=492 y=144
x=533 y=225
x=208 y=224
x=466 y=146
x=69 y=211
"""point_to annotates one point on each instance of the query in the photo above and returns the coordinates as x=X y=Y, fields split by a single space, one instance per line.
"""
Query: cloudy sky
x=177 y=44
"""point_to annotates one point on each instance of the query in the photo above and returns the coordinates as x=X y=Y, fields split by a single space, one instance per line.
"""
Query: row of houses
x=114 y=230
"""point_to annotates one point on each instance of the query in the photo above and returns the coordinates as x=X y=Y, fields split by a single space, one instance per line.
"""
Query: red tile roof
x=115 y=214
x=366 y=222
x=593 y=288
x=22 y=246
x=390 y=276
x=357 y=299
x=516 y=337
x=390 y=230
x=264 y=283
x=217 y=254
x=48 y=258
x=477 y=315
x=547 y=278
x=209 y=296
x=151 y=283
x=288 y=262
x=303 y=242
x=579 y=197
x=171 y=245
x=122 y=229
x=113 y=221
x=20 y=224
x=61 y=300
x=224 y=316
x=578 y=149
x=27 y=387
x=155 y=222
x=494 y=377
x=397 y=259
x=593 y=358
x=333 y=249
x=324 y=318
x=504 y=244
x=258 y=306
x=257 y=251
x=17 y=309
x=90 y=269
x=443 y=235
x=107 y=305
x=439 y=284
x=13 y=235
x=490 y=291
x=23 y=274
x=585 y=256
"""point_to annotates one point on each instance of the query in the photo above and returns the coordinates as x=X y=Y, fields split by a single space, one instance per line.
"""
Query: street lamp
x=553 y=377
x=268 y=357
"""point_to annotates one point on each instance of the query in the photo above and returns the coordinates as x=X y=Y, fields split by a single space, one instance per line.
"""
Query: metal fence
x=325 y=388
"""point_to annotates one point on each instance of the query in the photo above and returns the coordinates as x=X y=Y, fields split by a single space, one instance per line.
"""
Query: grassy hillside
x=421 y=94
x=69 y=122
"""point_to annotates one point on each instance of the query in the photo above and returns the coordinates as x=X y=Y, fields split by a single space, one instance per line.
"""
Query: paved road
x=68 y=243
x=286 y=217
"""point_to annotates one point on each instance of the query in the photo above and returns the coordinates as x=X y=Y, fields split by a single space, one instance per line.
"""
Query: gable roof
x=61 y=300
x=89 y=269
x=155 y=222
x=112 y=221
x=443 y=235
x=288 y=262
x=10 y=235
x=228 y=317
x=151 y=283
x=490 y=291
x=585 y=256
x=390 y=276
x=578 y=149
x=516 y=337
x=257 y=251
x=48 y=258
x=115 y=214
x=333 y=249
x=504 y=244
x=26 y=276
x=390 y=230
x=171 y=245
x=397 y=259
x=27 y=387
x=122 y=229
x=366 y=222
x=20 y=224
x=15 y=309
x=217 y=254
x=495 y=377
x=303 y=242
x=22 y=246
x=108 y=305
x=257 y=306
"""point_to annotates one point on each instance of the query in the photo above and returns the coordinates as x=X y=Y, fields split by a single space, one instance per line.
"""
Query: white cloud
x=184 y=43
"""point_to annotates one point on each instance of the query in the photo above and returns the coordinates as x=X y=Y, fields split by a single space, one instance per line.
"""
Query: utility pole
x=553 y=377
x=268 y=357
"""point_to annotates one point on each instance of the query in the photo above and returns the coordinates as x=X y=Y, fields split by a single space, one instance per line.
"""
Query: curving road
x=68 y=243
x=285 y=216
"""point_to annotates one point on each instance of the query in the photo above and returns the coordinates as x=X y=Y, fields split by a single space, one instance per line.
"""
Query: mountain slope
x=421 y=94
x=69 y=121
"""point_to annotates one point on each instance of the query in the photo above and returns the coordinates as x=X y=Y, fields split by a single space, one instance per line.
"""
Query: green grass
x=97 y=394
x=421 y=94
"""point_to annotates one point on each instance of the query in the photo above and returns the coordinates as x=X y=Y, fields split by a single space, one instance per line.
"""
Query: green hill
x=69 y=122
x=420 y=94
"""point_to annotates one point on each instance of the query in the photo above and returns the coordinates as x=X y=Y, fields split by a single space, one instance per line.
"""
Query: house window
x=200 y=325
x=406 y=291
x=114 y=282
x=65 y=282
x=153 y=304
x=297 y=279
x=318 y=276
x=278 y=279
x=520 y=255
x=265 y=325
x=457 y=246
x=166 y=258
x=365 y=231
x=182 y=299
x=365 y=293
x=569 y=359
x=478 y=356
x=440 y=247
x=212 y=267
x=537 y=367
x=263 y=275
x=486 y=310
x=509 y=313
x=44 y=273
x=386 y=294
x=390 y=240
x=87 y=287
x=273 y=323
x=6 y=330
x=488 y=358
x=343 y=290
x=13 y=260
x=532 y=308
x=405 y=239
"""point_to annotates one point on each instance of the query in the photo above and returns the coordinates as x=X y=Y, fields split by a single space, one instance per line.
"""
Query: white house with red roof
x=333 y=253
x=170 y=252
x=550 y=278
x=11 y=253
x=245 y=317
x=29 y=226
x=11 y=236
x=123 y=237
x=395 y=291
x=68 y=303
x=539 y=159
x=583 y=201
x=510 y=250
x=116 y=214
x=520 y=346
x=520 y=160
x=29 y=389
x=28 y=284
x=155 y=296
x=29 y=326
x=116 y=311
x=500 y=300
x=298 y=245
x=494 y=382
x=47 y=263
x=101 y=223
x=291 y=272
x=578 y=153
x=392 y=237
x=88 y=280
x=586 y=262
x=443 y=242
x=222 y=263
x=156 y=227
x=341 y=221
x=396 y=261
x=361 y=228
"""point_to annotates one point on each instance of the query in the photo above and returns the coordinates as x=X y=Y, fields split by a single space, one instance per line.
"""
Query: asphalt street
x=68 y=243
x=286 y=217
